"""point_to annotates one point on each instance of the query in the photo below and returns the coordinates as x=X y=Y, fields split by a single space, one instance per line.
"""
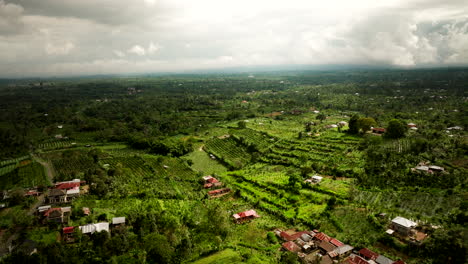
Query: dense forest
x=387 y=143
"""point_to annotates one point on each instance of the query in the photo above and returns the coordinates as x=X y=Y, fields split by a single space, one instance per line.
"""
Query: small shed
x=86 y=211
x=118 y=220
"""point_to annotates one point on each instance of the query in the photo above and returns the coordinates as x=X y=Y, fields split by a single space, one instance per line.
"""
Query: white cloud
x=77 y=36
x=59 y=49
x=153 y=48
x=119 y=53
x=138 y=50
x=150 y=2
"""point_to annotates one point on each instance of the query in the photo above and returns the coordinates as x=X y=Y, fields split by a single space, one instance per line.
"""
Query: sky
x=47 y=38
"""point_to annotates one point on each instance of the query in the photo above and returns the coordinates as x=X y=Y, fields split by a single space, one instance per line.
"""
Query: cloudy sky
x=80 y=37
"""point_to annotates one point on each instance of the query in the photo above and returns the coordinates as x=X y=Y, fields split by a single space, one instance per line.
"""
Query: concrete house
x=58 y=215
x=403 y=225
x=92 y=228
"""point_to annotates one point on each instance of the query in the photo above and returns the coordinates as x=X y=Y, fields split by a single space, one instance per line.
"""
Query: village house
x=118 y=221
x=56 y=196
x=355 y=259
x=42 y=209
x=368 y=254
x=381 y=259
x=64 y=192
x=378 y=130
x=403 y=225
x=68 y=234
x=314 y=179
x=92 y=228
x=425 y=167
x=58 y=215
x=211 y=182
x=410 y=125
x=219 y=192
x=291 y=246
x=245 y=216
x=341 y=251
x=32 y=193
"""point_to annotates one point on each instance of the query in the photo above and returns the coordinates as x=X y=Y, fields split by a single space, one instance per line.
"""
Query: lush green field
x=225 y=256
x=25 y=173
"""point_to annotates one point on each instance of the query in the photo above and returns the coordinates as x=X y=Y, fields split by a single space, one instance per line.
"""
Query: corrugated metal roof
x=336 y=242
x=68 y=230
x=327 y=246
x=91 y=228
x=404 y=222
x=73 y=191
x=322 y=237
x=291 y=246
x=367 y=253
x=383 y=260
x=118 y=220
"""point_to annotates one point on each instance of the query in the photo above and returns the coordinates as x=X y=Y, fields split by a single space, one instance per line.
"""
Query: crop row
x=234 y=155
x=249 y=137
x=13 y=161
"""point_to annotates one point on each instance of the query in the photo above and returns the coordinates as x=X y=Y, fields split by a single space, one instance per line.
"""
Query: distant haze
x=83 y=37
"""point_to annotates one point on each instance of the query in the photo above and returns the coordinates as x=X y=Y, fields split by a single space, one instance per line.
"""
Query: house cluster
x=426 y=168
x=69 y=232
x=317 y=247
x=210 y=182
x=64 y=192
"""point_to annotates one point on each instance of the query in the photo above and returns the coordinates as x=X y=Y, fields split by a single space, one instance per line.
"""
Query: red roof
x=356 y=260
x=29 y=193
x=368 y=254
x=246 y=214
x=46 y=213
x=214 y=192
x=291 y=246
x=212 y=180
x=336 y=242
x=322 y=237
x=68 y=230
x=292 y=237
x=67 y=185
x=379 y=129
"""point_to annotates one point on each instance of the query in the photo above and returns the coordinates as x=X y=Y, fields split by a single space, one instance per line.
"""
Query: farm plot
x=69 y=164
x=253 y=139
x=150 y=176
x=24 y=174
x=415 y=205
x=229 y=151
x=270 y=192
x=203 y=163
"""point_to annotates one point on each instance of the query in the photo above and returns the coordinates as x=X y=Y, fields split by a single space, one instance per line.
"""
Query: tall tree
x=366 y=123
x=396 y=129
x=353 y=124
